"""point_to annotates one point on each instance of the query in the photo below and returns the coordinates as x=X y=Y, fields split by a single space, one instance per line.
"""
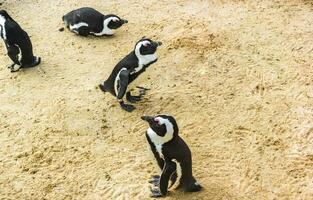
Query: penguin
x=18 y=43
x=172 y=155
x=128 y=69
x=88 y=21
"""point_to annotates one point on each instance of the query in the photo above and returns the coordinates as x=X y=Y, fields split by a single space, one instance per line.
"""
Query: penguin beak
x=124 y=21
x=157 y=43
x=148 y=119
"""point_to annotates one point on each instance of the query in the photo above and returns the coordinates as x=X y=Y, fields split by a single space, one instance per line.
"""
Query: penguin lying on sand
x=17 y=42
x=88 y=21
x=172 y=154
x=128 y=69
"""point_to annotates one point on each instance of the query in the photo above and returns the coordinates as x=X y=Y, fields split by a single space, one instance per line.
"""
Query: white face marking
x=106 y=30
x=143 y=59
x=117 y=79
x=157 y=140
x=2 y=27
x=75 y=27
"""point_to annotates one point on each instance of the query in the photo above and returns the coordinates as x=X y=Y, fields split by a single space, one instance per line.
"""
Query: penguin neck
x=144 y=60
x=106 y=30
x=159 y=140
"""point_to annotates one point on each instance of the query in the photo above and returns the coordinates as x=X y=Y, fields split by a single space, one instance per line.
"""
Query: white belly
x=159 y=150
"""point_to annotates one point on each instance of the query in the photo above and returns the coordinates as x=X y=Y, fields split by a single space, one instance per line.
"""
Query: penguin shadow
x=208 y=192
x=89 y=37
x=28 y=71
x=65 y=30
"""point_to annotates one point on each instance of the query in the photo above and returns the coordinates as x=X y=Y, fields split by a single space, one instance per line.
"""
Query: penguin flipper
x=169 y=169
x=123 y=83
x=83 y=31
x=123 y=80
x=13 y=52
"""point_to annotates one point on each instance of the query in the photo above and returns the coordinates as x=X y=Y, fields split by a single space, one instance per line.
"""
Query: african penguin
x=17 y=42
x=172 y=155
x=128 y=69
x=88 y=21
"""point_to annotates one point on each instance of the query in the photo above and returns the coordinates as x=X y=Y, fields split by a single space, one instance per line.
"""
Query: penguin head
x=115 y=21
x=146 y=46
x=4 y=14
x=162 y=125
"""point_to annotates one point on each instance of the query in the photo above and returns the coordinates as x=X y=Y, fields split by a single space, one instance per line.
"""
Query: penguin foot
x=127 y=107
x=142 y=90
x=155 y=180
x=132 y=99
x=155 y=193
x=13 y=68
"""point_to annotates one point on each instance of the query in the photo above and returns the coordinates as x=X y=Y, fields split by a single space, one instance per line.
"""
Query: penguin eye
x=157 y=121
x=146 y=44
x=114 y=20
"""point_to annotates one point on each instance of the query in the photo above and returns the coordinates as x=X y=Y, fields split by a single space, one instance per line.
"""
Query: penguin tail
x=194 y=187
x=38 y=59
x=102 y=87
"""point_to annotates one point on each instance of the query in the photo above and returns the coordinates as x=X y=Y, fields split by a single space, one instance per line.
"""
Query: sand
x=237 y=75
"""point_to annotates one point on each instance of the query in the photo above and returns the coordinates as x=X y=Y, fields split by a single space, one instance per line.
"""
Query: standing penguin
x=128 y=69
x=17 y=42
x=172 y=154
x=88 y=21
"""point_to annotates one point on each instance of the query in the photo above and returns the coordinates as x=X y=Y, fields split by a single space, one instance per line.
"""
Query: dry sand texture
x=237 y=75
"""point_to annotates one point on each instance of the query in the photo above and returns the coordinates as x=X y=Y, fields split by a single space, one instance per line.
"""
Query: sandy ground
x=237 y=75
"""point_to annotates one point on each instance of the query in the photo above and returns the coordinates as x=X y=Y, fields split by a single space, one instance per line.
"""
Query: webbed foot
x=155 y=180
x=127 y=107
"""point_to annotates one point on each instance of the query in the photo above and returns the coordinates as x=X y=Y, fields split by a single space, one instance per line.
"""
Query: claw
x=155 y=193
x=155 y=180
x=142 y=90
x=132 y=99
x=156 y=176
x=127 y=107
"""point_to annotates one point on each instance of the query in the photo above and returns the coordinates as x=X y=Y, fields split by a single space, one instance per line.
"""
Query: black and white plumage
x=128 y=69
x=88 y=21
x=172 y=155
x=17 y=42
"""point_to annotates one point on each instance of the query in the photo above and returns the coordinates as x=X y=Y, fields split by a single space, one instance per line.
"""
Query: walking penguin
x=172 y=155
x=128 y=69
x=17 y=42
x=88 y=21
